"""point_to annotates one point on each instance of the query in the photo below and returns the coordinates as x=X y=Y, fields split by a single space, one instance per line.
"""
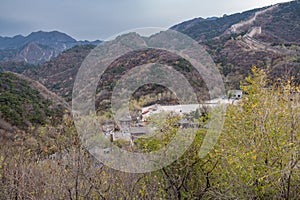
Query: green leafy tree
x=260 y=144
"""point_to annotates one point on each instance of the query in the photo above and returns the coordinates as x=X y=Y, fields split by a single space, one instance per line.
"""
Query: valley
x=241 y=145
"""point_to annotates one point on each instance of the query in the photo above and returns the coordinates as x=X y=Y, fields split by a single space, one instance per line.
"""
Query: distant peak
x=18 y=36
x=46 y=32
x=211 y=18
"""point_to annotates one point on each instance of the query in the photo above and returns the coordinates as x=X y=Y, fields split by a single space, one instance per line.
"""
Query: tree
x=260 y=143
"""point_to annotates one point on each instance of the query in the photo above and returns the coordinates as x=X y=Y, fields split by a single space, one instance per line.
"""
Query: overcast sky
x=99 y=19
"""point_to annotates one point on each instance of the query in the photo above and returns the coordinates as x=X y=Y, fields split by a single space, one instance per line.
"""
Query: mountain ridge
x=263 y=37
x=239 y=45
x=37 y=47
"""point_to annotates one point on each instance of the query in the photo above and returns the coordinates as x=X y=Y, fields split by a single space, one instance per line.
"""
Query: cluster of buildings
x=131 y=130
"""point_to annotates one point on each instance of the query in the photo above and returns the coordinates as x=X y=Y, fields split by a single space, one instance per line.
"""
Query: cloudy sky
x=99 y=19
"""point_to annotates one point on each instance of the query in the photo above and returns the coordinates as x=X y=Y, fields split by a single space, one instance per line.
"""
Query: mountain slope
x=280 y=20
x=282 y=24
x=26 y=103
x=263 y=37
x=17 y=67
x=54 y=39
x=204 y=29
x=234 y=42
x=37 y=47
x=59 y=73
